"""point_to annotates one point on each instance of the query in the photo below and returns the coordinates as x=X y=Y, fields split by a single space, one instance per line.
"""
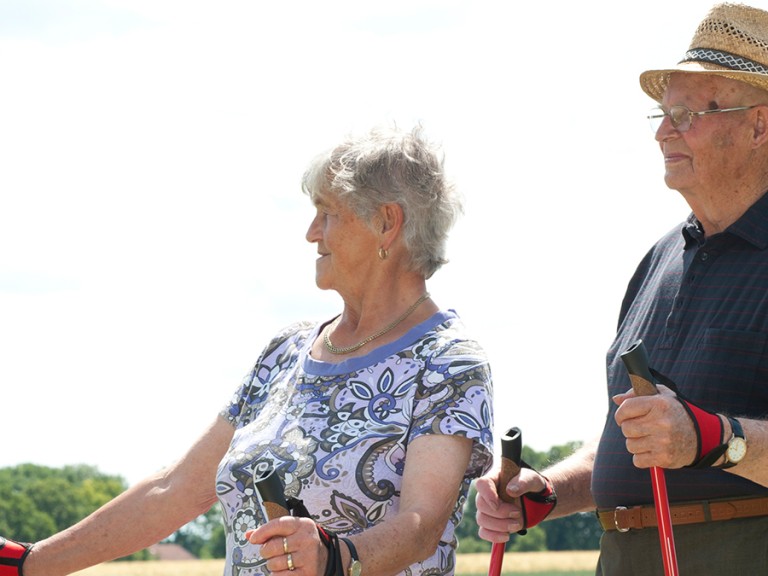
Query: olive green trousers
x=726 y=548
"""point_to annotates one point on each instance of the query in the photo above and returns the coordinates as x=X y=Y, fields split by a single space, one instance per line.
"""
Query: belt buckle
x=616 y=520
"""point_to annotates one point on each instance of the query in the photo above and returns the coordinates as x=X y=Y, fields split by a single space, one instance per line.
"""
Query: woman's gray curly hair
x=386 y=166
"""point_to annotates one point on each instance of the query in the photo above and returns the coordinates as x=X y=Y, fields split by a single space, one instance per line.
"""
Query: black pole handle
x=270 y=488
x=511 y=455
x=636 y=362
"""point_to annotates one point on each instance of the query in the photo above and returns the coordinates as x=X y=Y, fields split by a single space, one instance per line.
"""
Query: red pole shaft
x=497 y=558
x=511 y=449
x=664 y=521
x=636 y=361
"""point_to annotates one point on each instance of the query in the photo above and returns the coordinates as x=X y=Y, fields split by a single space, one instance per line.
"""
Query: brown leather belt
x=624 y=519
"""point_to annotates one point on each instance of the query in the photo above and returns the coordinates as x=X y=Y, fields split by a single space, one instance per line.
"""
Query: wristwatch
x=355 y=568
x=737 y=445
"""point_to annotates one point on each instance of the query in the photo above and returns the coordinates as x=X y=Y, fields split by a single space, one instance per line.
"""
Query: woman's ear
x=389 y=222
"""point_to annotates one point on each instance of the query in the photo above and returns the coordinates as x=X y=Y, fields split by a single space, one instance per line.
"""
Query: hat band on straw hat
x=724 y=59
x=731 y=42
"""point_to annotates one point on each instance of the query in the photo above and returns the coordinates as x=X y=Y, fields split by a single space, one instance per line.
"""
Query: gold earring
x=383 y=253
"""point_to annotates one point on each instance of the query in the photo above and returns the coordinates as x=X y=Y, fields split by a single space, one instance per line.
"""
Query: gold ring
x=291 y=567
x=285 y=545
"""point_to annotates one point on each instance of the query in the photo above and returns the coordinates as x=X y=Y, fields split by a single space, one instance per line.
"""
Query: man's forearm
x=754 y=467
x=572 y=479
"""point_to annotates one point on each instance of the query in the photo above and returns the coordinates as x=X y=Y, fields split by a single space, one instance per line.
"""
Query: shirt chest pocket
x=729 y=371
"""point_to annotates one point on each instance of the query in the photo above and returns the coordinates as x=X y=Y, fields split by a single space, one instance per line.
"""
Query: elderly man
x=699 y=301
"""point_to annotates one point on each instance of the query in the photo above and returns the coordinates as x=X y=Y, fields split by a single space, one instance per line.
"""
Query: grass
x=573 y=563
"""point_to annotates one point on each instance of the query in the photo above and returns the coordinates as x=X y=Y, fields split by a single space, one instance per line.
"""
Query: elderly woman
x=376 y=420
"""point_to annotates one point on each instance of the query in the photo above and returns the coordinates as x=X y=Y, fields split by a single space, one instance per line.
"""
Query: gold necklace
x=347 y=349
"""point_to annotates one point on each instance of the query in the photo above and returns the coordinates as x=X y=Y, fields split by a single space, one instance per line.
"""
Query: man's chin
x=674 y=181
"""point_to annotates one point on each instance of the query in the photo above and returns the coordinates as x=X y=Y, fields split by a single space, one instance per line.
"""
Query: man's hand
x=498 y=519
x=658 y=429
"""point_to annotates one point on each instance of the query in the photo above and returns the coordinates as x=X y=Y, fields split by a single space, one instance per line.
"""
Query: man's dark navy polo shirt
x=700 y=305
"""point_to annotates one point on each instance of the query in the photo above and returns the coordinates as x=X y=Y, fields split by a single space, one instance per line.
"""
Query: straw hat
x=731 y=41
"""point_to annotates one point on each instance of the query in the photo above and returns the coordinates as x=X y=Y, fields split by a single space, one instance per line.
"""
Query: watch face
x=356 y=568
x=737 y=449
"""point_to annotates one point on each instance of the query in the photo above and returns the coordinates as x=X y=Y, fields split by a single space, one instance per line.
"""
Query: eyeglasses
x=681 y=117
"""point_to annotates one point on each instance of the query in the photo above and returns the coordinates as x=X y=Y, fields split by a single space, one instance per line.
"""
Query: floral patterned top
x=337 y=434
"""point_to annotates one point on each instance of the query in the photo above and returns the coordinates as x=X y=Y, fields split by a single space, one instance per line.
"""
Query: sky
x=152 y=223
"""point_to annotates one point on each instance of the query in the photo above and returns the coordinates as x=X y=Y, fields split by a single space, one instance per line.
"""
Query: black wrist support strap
x=329 y=539
x=12 y=556
x=331 y=542
x=296 y=507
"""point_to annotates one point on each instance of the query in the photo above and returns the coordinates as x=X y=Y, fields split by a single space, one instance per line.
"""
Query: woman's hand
x=291 y=546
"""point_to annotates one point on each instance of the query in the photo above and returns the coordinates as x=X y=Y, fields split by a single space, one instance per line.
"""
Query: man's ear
x=760 y=130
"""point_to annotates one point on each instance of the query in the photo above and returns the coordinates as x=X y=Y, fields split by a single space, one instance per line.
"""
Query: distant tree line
x=37 y=501
x=204 y=536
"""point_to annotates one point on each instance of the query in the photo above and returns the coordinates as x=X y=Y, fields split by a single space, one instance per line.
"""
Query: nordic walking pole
x=636 y=362
x=270 y=488
x=511 y=453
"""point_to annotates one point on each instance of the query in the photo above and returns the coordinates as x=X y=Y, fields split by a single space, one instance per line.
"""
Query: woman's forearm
x=139 y=517
x=433 y=477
